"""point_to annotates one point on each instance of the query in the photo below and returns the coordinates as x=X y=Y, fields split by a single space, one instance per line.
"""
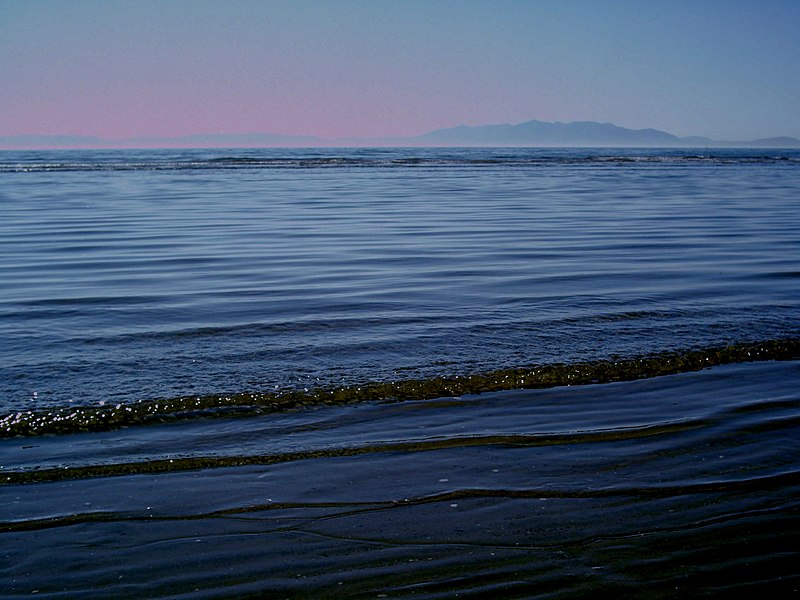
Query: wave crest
x=110 y=416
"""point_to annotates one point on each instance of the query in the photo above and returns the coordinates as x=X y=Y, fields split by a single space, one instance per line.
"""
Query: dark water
x=403 y=372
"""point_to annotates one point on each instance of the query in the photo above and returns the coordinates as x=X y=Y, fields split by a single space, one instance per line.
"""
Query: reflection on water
x=499 y=373
x=631 y=488
x=279 y=272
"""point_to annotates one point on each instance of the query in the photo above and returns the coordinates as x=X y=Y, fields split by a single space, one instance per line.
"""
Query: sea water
x=366 y=372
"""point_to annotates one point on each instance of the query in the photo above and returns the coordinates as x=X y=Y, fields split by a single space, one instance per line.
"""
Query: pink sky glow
x=359 y=68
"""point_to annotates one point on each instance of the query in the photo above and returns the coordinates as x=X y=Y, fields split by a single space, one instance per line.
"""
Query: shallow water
x=289 y=373
x=683 y=484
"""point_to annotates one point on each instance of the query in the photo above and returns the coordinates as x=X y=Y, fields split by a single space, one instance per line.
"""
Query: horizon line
x=261 y=139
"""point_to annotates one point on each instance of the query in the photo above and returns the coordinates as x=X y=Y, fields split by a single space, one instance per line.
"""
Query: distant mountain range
x=529 y=133
x=578 y=133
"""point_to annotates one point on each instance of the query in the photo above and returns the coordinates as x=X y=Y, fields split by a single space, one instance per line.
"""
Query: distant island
x=530 y=133
x=579 y=133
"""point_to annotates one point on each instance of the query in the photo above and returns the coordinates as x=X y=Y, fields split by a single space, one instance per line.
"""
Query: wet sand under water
x=685 y=485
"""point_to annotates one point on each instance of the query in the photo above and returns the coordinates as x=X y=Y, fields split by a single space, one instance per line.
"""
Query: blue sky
x=115 y=68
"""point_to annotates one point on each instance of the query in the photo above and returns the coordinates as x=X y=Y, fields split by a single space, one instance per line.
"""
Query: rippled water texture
x=129 y=276
x=400 y=372
x=680 y=486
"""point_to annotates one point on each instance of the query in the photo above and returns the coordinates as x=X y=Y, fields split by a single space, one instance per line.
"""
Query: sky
x=725 y=69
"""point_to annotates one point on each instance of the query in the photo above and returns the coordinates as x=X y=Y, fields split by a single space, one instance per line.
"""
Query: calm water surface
x=160 y=312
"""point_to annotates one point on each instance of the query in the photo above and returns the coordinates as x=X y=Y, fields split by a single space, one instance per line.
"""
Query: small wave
x=454 y=160
x=107 y=416
x=208 y=462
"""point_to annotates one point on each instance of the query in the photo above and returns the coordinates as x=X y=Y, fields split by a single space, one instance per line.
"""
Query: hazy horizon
x=359 y=69
x=446 y=137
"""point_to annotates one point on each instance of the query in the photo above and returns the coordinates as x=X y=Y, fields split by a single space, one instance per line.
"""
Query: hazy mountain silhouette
x=541 y=133
x=530 y=133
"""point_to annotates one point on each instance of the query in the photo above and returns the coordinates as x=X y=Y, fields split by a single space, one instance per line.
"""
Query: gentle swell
x=111 y=416
x=292 y=162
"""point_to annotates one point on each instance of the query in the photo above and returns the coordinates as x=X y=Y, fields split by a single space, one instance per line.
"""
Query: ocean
x=397 y=372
